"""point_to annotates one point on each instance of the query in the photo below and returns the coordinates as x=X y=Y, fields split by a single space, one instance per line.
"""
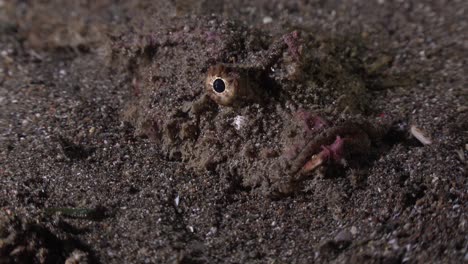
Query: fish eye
x=219 y=86
x=228 y=85
x=222 y=85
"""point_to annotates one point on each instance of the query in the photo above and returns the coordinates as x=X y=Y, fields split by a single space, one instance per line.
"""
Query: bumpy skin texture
x=263 y=131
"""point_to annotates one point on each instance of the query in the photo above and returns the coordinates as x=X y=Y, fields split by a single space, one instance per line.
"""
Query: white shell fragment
x=420 y=135
x=267 y=20
x=239 y=122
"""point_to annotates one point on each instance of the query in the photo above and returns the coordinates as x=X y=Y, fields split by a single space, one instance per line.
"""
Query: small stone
x=344 y=236
x=267 y=20
x=212 y=231
x=407 y=226
x=239 y=122
x=394 y=244
x=77 y=257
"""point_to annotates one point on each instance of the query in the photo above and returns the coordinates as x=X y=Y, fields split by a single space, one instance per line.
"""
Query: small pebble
x=460 y=154
x=239 y=122
x=420 y=135
x=344 y=236
x=267 y=20
x=212 y=231
x=77 y=257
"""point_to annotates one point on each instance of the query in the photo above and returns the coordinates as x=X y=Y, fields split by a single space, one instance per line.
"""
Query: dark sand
x=63 y=145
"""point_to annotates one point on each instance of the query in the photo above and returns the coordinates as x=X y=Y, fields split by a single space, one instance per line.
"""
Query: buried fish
x=236 y=101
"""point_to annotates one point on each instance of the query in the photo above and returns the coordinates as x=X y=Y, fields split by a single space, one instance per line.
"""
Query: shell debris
x=420 y=135
x=239 y=122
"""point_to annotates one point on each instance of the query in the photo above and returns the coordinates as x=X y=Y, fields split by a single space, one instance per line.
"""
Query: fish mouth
x=330 y=144
x=327 y=146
